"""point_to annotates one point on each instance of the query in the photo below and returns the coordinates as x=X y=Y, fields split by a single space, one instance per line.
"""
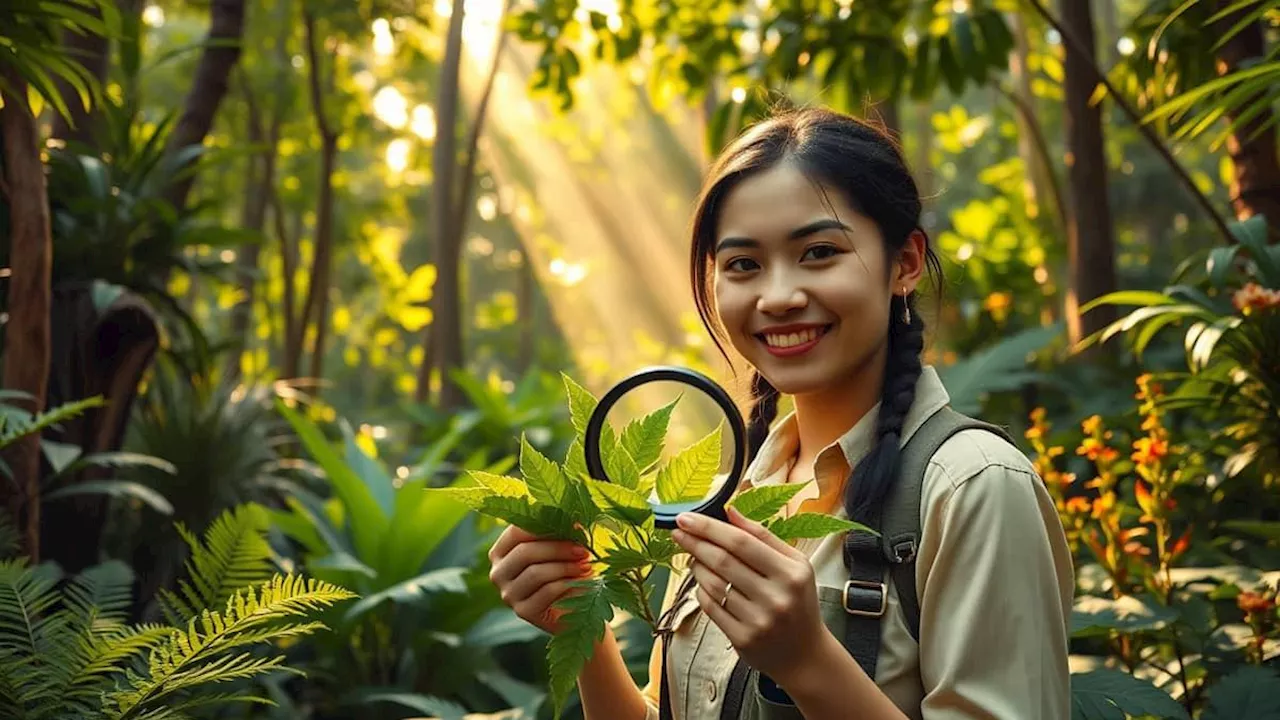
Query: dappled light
x=309 y=310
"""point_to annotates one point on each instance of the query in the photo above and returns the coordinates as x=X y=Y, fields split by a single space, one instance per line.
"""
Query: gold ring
x=728 y=588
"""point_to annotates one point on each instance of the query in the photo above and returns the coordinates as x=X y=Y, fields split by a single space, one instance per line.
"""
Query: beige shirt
x=993 y=574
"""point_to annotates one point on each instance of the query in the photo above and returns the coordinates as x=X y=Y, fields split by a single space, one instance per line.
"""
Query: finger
x=711 y=558
x=732 y=627
x=539 y=607
x=507 y=541
x=532 y=552
x=528 y=582
x=757 y=530
x=747 y=548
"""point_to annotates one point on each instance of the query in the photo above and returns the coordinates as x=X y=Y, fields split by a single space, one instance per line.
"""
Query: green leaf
x=575 y=461
x=1114 y=695
x=545 y=521
x=117 y=489
x=622 y=559
x=1093 y=616
x=620 y=468
x=579 y=503
x=500 y=484
x=1250 y=692
x=587 y=611
x=472 y=497
x=545 y=481
x=689 y=474
x=622 y=594
x=762 y=503
x=581 y=403
x=621 y=502
x=642 y=438
x=812 y=525
x=412 y=590
x=425 y=704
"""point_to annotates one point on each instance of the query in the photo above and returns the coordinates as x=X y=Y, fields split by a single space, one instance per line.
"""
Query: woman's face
x=802 y=292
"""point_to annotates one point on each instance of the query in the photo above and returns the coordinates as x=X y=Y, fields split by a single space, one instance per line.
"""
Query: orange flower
x=1078 y=505
x=1253 y=297
x=1092 y=425
x=1149 y=450
x=1254 y=602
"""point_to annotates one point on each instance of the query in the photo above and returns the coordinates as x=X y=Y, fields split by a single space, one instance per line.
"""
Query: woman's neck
x=823 y=417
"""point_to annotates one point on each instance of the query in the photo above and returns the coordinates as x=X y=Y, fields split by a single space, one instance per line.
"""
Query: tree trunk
x=444 y=333
x=1038 y=180
x=213 y=72
x=1255 y=180
x=92 y=51
x=316 y=307
x=525 y=314
x=1090 y=240
x=27 y=331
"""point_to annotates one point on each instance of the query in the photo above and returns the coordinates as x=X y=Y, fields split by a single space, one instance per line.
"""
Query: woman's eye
x=741 y=264
x=820 y=252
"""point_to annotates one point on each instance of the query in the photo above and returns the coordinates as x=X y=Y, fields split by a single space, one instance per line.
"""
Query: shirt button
x=711 y=690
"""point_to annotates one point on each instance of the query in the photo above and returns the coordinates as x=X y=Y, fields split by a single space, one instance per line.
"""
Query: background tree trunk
x=26 y=347
x=444 y=334
x=209 y=86
x=1255 y=180
x=1090 y=239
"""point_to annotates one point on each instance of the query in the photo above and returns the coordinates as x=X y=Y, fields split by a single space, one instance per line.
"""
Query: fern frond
x=101 y=594
x=199 y=655
x=234 y=554
x=21 y=426
x=36 y=635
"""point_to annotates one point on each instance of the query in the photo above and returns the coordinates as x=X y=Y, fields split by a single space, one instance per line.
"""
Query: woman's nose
x=779 y=297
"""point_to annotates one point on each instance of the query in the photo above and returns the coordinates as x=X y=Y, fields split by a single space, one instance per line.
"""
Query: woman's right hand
x=532 y=574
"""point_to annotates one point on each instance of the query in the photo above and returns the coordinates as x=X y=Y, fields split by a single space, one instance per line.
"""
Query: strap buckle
x=850 y=594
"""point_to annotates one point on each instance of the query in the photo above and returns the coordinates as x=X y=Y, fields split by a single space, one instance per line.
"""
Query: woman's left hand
x=771 y=613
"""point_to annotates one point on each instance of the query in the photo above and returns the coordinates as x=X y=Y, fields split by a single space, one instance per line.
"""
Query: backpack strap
x=873 y=560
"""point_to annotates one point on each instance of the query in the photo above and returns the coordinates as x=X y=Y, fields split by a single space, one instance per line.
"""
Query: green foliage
x=233 y=555
x=614 y=520
x=1114 y=695
x=29 y=46
x=67 y=650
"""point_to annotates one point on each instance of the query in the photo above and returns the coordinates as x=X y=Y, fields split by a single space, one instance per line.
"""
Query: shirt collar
x=777 y=455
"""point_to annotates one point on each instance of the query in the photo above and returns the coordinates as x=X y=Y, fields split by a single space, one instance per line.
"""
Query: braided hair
x=863 y=163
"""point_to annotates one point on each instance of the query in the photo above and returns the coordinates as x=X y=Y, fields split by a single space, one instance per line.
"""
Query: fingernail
x=684 y=520
x=581 y=553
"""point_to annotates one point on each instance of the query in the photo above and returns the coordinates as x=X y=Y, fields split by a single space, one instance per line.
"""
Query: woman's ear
x=909 y=266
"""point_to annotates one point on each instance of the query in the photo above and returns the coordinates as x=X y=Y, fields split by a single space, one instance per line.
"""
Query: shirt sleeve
x=996 y=599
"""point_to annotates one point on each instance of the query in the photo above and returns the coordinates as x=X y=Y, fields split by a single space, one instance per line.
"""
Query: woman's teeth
x=792 y=339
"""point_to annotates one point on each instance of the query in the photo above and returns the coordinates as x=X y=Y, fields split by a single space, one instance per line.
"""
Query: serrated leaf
x=581 y=403
x=621 y=502
x=812 y=525
x=622 y=594
x=762 y=503
x=643 y=438
x=689 y=474
x=586 y=612
x=575 y=461
x=647 y=483
x=578 y=502
x=501 y=485
x=662 y=548
x=622 y=559
x=620 y=467
x=543 y=477
x=545 y=521
x=1251 y=692
x=1114 y=695
x=472 y=497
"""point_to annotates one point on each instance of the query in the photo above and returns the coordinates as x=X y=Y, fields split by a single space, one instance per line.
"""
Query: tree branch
x=1203 y=201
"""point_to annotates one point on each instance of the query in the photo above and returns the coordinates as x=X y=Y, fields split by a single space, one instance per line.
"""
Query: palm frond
x=199 y=655
x=234 y=555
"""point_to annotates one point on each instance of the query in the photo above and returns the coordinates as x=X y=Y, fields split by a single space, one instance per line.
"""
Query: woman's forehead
x=769 y=205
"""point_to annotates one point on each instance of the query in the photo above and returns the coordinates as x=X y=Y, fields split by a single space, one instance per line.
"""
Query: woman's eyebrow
x=799 y=233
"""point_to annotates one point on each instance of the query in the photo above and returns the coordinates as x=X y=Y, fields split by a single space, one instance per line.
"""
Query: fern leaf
x=21 y=426
x=199 y=655
x=109 y=652
x=234 y=554
x=36 y=636
x=10 y=538
x=101 y=594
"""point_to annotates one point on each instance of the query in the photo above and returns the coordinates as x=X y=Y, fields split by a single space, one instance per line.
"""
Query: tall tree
x=208 y=87
x=1255 y=177
x=26 y=347
x=1090 y=235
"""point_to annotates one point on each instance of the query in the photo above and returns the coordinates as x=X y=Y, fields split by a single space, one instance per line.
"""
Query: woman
x=807 y=251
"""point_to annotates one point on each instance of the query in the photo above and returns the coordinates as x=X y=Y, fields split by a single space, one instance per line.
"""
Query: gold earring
x=906 y=308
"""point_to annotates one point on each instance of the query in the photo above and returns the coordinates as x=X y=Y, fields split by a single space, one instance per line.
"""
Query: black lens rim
x=713 y=506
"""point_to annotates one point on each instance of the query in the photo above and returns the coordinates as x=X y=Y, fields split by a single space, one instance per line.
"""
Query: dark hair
x=861 y=161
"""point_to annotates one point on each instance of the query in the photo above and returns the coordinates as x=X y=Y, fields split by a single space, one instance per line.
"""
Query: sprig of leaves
x=614 y=520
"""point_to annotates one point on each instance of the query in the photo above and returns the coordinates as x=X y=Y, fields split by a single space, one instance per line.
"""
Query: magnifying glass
x=709 y=494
